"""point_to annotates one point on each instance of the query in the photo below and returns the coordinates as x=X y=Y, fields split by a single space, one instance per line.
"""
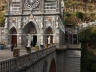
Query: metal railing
x=15 y=64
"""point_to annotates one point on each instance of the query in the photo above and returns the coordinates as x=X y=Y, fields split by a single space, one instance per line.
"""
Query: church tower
x=31 y=22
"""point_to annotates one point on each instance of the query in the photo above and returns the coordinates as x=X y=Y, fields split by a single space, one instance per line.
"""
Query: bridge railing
x=74 y=46
x=8 y=65
x=18 y=63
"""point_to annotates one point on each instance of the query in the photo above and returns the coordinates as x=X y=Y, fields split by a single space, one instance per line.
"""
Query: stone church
x=41 y=22
x=31 y=22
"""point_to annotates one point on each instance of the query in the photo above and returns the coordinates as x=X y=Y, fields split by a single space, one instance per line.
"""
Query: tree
x=79 y=15
x=68 y=14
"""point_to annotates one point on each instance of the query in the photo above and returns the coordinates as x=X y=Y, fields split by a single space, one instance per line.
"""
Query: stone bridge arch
x=52 y=66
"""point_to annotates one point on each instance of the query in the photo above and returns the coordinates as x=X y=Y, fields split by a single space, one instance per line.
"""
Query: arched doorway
x=29 y=28
x=50 y=32
x=14 y=36
x=52 y=66
x=32 y=30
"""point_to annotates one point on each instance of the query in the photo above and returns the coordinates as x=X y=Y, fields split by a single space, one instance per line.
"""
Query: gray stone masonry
x=60 y=61
x=68 y=60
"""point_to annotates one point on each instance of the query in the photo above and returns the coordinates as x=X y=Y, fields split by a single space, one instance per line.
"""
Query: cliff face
x=73 y=6
x=80 y=5
x=2 y=3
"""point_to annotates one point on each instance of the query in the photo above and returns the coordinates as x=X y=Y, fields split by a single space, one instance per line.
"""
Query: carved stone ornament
x=31 y=17
x=13 y=19
x=49 y=18
x=32 y=3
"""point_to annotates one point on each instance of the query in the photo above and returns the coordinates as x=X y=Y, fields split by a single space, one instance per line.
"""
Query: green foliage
x=79 y=15
x=71 y=19
x=68 y=14
x=2 y=18
x=2 y=12
x=88 y=60
x=88 y=13
x=88 y=34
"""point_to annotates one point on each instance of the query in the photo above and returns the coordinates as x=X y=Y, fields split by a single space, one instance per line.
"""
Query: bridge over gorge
x=49 y=59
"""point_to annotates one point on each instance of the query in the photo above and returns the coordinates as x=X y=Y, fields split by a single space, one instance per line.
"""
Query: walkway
x=8 y=54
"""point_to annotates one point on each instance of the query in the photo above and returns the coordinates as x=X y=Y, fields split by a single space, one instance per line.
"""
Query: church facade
x=41 y=22
x=31 y=22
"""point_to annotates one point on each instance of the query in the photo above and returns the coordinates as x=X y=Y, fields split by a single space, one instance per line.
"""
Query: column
x=19 y=38
x=42 y=6
x=6 y=37
x=7 y=7
x=57 y=40
x=21 y=6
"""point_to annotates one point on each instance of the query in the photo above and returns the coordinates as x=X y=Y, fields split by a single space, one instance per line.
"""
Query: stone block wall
x=42 y=65
x=72 y=61
x=68 y=61
x=60 y=61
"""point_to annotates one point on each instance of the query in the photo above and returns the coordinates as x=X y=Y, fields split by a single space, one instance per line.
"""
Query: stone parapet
x=24 y=62
x=68 y=60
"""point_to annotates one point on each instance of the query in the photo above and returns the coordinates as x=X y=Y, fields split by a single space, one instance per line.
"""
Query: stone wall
x=42 y=65
x=68 y=61
x=60 y=61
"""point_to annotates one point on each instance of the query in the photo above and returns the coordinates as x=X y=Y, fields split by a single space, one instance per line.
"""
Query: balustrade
x=8 y=65
x=15 y=64
x=74 y=46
